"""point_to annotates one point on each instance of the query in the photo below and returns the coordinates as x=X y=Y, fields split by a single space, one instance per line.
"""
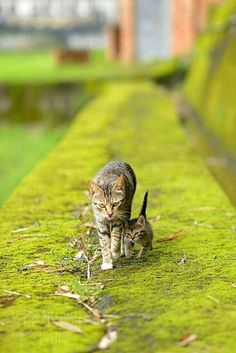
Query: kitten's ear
x=93 y=188
x=119 y=184
x=141 y=221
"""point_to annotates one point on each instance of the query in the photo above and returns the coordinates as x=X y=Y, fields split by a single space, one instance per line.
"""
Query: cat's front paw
x=106 y=266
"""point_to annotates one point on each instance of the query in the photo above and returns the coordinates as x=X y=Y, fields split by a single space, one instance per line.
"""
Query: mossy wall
x=156 y=301
x=210 y=86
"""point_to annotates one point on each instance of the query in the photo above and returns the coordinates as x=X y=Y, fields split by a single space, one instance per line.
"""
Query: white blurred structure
x=56 y=11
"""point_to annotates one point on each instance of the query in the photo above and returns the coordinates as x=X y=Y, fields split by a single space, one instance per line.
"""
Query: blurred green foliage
x=210 y=86
x=21 y=147
x=40 y=67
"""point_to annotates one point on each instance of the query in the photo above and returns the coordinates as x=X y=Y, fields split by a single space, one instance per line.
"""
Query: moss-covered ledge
x=157 y=301
x=48 y=204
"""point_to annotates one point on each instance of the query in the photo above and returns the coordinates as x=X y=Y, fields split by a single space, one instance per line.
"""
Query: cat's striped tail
x=144 y=205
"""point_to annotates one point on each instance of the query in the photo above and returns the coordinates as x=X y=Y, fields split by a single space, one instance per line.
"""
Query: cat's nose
x=110 y=214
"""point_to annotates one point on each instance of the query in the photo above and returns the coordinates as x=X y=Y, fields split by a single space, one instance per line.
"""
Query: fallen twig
x=82 y=255
x=67 y=326
x=172 y=236
x=68 y=295
x=109 y=338
x=213 y=298
x=95 y=312
x=196 y=223
x=23 y=236
x=17 y=294
x=19 y=230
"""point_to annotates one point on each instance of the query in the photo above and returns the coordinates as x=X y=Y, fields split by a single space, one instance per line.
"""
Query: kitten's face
x=136 y=229
x=107 y=202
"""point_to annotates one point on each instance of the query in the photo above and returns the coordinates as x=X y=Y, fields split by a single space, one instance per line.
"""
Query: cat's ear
x=119 y=184
x=141 y=221
x=93 y=188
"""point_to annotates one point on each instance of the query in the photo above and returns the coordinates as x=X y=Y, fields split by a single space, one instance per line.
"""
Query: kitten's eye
x=101 y=205
x=116 y=204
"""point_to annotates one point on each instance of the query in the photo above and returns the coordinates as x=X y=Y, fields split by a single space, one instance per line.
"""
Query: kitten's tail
x=144 y=205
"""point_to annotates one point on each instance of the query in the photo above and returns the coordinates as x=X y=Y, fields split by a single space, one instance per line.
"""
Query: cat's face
x=136 y=229
x=108 y=201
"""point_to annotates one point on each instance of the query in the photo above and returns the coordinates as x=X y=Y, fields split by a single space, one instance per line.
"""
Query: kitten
x=139 y=231
x=112 y=190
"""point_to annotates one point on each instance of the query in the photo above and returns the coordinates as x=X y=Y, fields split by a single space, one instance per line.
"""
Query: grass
x=40 y=67
x=156 y=300
x=21 y=147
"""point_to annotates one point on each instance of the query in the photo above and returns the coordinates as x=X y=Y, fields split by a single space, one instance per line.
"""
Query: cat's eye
x=101 y=205
x=116 y=204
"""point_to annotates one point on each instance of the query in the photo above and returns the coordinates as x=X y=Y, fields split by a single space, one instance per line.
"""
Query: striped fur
x=112 y=190
x=139 y=230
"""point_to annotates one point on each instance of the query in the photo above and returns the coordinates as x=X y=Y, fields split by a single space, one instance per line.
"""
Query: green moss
x=157 y=300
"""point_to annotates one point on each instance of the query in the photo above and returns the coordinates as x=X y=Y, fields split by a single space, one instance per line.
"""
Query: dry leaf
x=36 y=263
x=67 y=326
x=109 y=338
x=172 y=236
x=40 y=263
x=182 y=260
x=186 y=340
x=85 y=211
x=96 y=255
x=79 y=255
x=65 y=288
x=157 y=218
x=74 y=243
x=91 y=301
x=90 y=225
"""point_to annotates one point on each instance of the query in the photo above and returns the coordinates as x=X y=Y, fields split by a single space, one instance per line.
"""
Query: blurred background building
x=129 y=29
x=72 y=23
x=156 y=29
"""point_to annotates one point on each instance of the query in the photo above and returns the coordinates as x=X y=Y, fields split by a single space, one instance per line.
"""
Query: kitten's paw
x=115 y=255
x=106 y=266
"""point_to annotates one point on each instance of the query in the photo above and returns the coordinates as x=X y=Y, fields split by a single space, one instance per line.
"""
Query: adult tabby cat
x=112 y=190
x=139 y=230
